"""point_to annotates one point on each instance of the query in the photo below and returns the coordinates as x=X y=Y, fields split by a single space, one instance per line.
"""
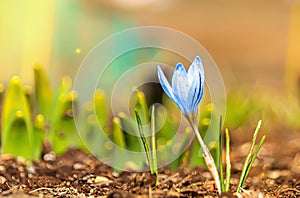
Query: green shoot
x=228 y=164
x=119 y=140
x=249 y=161
x=144 y=140
x=153 y=143
x=101 y=107
x=253 y=158
x=221 y=156
x=17 y=133
x=17 y=141
x=151 y=154
x=43 y=92
x=224 y=186
x=39 y=131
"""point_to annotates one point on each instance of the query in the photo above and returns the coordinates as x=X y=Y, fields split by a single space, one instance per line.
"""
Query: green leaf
x=131 y=133
x=228 y=164
x=119 y=154
x=144 y=140
x=43 y=92
x=220 y=156
x=253 y=159
x=16 y=121
x=39 y=135
x=245 y=168
x=142 y=108
x=17 y=141
x=101 y=107
x=63 y=131
x=153 y=144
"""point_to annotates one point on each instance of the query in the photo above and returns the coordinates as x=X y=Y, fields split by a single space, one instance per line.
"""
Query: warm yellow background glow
x=293 y=49
x=25 y=36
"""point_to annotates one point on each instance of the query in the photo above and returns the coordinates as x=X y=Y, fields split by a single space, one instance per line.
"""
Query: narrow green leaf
x=144 y=140
x=220 y=156
x=101 y=107
x=142 y=109
x=132 y=134
x=153 y=143
x=118 y=135
x=28 y=92
x=253 y=158
x=62 y=131
x=39 y=134
x=244 y=169
x=43 y=92
x=119 y=157
x=228 y=164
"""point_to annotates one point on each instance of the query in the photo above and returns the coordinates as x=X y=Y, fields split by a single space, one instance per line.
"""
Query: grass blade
x=253 y=158
x=144 y=140
x=101 y=107
x=153 y=143
x=119 y=159
x=228 y=164
x=244 y=169
x=39 y=134
x=132 y=134
x=220 y=156
x=43 y=92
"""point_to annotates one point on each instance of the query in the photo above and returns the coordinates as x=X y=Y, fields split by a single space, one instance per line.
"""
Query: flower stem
x=209 y=161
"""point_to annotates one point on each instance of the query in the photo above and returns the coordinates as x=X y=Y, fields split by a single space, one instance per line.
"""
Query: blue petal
x=180 y=68
x=165 y=84
x=196 y=92
x=200 y=94
x=193 y=94
x=196 y=66
x=180 y=89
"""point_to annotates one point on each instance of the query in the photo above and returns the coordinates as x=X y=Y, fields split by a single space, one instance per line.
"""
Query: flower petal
x=179 y=67
x=196 y=66
x=180 y=87
x=165 y=84
x=195 y=92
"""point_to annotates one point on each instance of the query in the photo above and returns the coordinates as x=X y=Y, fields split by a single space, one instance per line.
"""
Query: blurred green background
x=254 y=43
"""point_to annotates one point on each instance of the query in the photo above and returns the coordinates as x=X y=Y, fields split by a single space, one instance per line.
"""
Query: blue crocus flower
x=187 y=86
x=187 y=91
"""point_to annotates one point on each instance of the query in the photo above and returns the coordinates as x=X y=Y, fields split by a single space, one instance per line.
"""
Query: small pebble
x=2 y=168
x=2 y=180
x=49 y=156
x=78 y=166
x=100 y=179
x=31 y=169
x=115 y=174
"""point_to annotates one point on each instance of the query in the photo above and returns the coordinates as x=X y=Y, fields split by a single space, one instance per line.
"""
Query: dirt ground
x=276 y=173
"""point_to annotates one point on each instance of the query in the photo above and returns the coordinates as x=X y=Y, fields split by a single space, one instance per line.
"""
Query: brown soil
x=276 y=173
